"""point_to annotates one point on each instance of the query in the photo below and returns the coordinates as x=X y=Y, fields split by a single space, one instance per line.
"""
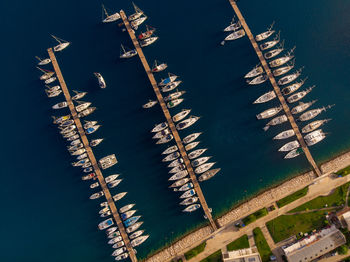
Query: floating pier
x=92 y=158
x=170 y=121
x=276 y=89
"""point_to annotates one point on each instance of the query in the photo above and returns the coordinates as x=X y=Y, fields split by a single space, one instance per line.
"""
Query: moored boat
x=204 y=167
x=160 y=127
x=132 y=220
x=293 y=153
x=269 y=112
x=121 y=256
x=270 y=44
x=189 y=201
x=115 y=240
x=285 y=134
x=171 y=157
x=61 y=119
x=161 y=133
x=178 y=175
x=137 y=14
x=114 y=183
x=196 y=153
x=43 y=61
x=192 y=145
x=118 y=244
x=177 y=169
x=289 y=78
x=301 y=107
x=208 y=174
x=113 y=234
x=265 y=97
x=311 y=114
x=171 y=86
x=92 y=129
x=135 y=23
x=60 y=105
x=191 y=208
x=110 y=178
x=66 y=123
x=293 y=87
x=314 y=125
x=134 y=227
x=106 y=18
x=138 y=241
x=74 y=137
x=181 y=115
x=53 y=93
x=89 y=176
x=266 y=34
x=94 y=185
x=108 y=161
x=276 y=121
x=119 y=251
x=82 y=106
x=187 y=122
x=282 y=60
x=235 y=35
x=190 y=138
x=180 y=182
x=78 y=95
x=119 y=196
x=79 y=152
x=274 y=52
x=88 y=124
x=185 y=187
x=97 y=195
x=170 y=150
x=299 y=95
x=200 y=161
x=87 y=170
x=283 y=70
x=62 y=44
x=258 y=70
x=188 y=193
x=150 y=104
x=176 y=162
x=136 y=234
x=87 y=112
x=158 y=67
x=233 y=26
x=169 y=79
x=258 y=80
x=96 y=142
x=148 y=41
x=174 y=95
x=50 y=80
x=289 y=146
x=127 y=214
x=127 y=54
x=317 y=136
x=126 y=208
x=175 y=102
x=105 y=224
x=165 y=139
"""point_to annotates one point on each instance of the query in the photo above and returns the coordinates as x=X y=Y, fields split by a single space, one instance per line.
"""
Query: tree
x=343 y=250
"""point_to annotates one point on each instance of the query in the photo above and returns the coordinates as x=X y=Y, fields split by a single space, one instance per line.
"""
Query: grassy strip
x=253 y=217
x=285 y=226
x=215 y=257
x=261 y=244
x=239 y=243
x=289 y=199
x=344 y=171
x=195 y=251
x=337 y=198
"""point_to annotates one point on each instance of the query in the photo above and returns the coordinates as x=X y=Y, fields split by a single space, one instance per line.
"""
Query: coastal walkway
x=170 y=121
x=92 y=158
x=276 y=88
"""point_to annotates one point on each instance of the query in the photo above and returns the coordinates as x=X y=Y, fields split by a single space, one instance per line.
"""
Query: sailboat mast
x=105 y=11
x=56 y=38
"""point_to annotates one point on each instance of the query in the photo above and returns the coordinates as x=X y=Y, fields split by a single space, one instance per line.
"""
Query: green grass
x=195 y=251
x=253 y=217
x=285 y=226
x=261 y=244
x=215 y=257
x=289 y=199
x=337 y=198
x=344 y=171
x=239 y=243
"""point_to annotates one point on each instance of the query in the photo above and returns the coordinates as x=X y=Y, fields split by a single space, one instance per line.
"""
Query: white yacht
x=276 y=121
x=265 y=97
x=314 y=125
x=106 y=18
x=196 y=153
x=299 y=95
x=233 y=26
x=283 y=70
x=269 y=112
x=293 y=87
x=258 y=80
x=101 y=81
x=312 y=113
x=289 y=78
x=285 y=134
x=258 y=70
x=289 y=146
x=235 y=35
x=187 y=122
x=274 y=52
x=204 y=167
x=270 y=44
x=265 y=35
x=190 y=138
x=127 y=54
x=62 y=44
x=208 y=174
x=170 y=150
x=301 y=107
x=181 y=115
x=158 y=67
x=200 y=161
x=148 y=41
x=137 y=14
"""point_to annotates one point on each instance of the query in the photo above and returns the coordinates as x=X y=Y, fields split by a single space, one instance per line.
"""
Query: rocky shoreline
x=264 y=199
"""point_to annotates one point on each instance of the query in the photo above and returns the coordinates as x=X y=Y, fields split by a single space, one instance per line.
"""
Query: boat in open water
x=289 y=146
x=150 y=104
x=314 y=125
x=265 y=97
x=208 y=174
x=101 y=81
x=192 y=208
x=285 y=134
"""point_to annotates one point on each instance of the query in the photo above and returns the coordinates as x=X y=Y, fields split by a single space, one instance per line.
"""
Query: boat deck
x=92 y=158
x=170 y=121
x=276 y=88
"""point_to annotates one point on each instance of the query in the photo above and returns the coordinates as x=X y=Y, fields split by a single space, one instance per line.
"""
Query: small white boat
x=180 y=182
x=60 y=105
x=171 y=86
x=265 y=35
x=107 y=161
x=301 y=107
x=297 y=96
x=71 y=138
x=96 y=142
x=135 y=23
x=69 y=134
x=87 y=170
x=115 y=240
x=89 y=124
x=127 y=54
x=200 y=161
x=282 y=60
x=114 y=183
x=113 y=234
x=308 y=115
x=274 y=52
x=235 y=35
x=168 y=80
x=204 y=167
x=101 y=81
x=43 y=61
x=265 y=97
x=106 y=18
x=289 y=78
x=112 y=229
x=289 y=146
x=178 y=168
x=119 y=196
x=189 y=201
x=97 y=195
x=118 y=244
x=165 y=139
x=87 y=112
x=66 y=123
x=283 y=70
x=94 y=185
x=61 y=119
x=89 y=176
x=158 y=67
x=171 y=157
x=192 y=208
x=258 y=70
x=137 y=14
x=270 y=44
x=138 y=241
x=103 y=210
x=136 y=234
x=191 y=137
x=185 y=187
x=53 y=93
x=127 y=214
x=62 y=44
x=176 y=162
x=133 y=227
x=92 y=129
x=285 y=134
x=161 y=133
x=314 y=125
x=105 y=224
x=108 y=213
x=174 y=95
x=233 y=26
x=150 y=31
x=196 y=153
x=111 y=178
x=317 y=136
x=50 y=80
x=293 y=87
x=293 y=153
x=170 y=150
x=187 y=122
x=82 y=106
x=181 y=115
x=178 y=175
x=78 y=95
x=121 y=257
x=175 y=102
x=75 y=142
x=159 y=127
x=126 y=208
x=188 y=193
x=208 y=174
x=150 y=104
x=192 y=145
x=88 y=164
x=269 y=113
x=258 y=80
x=276 y=121
x=148 y=41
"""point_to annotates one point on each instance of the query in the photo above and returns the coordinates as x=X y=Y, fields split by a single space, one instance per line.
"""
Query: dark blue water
x=46 y=211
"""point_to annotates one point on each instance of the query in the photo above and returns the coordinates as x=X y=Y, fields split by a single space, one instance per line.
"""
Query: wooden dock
x=276 y=88
x=92 y=158
x=170 y=121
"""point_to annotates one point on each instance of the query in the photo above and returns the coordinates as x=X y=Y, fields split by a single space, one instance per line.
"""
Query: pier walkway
x=170 y=121
x=276 y=88
x=92 y=158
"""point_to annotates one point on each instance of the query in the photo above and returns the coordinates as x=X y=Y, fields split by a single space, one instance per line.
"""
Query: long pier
x=276 y=88
x=92 y=158
x=170 y=121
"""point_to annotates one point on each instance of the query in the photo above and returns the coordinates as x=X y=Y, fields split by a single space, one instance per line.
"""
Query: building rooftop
x=242 y=255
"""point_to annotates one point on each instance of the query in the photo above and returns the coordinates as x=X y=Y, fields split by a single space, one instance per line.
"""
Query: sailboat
x=282 y=70
x=282 y=60
x=269 y=113
x=257 y=70
x=301 y=107
x=150 y=104
x=312 y=113
x=285 y=134
x=289 y=146
x=265 y=97
x=293 y=153
x=258 y=80
x=135 y=23
x=47 y=74
x=158 y=67
x=78 y=95
x=137 y=14
x=314 y=125
x=276 y=121
x=106 y=18
x=148 y=41
x=147 y=34
x=297 y=96
x=275 y=52
x=265 y=35
x=101 y=81
x=289 y=78
x=62 y=44
x=43 y=61
x=127 y=54
x=235 y=35
x=293 y=87
x=270 y=44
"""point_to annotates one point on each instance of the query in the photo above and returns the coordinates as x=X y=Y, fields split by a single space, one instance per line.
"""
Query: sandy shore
x=262 y=200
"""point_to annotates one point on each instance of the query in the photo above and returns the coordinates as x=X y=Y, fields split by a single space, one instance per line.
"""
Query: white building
x=242 y=255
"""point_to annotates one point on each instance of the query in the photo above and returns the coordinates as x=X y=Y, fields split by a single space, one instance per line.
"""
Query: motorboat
x=89 y=124
x=312 y=113
x=62 y=44
x=189 y=201
x=108 y=161
x=147 y=34
x=181 y=115
x=191 y=208
x=235 y=35
x=60 y=105
x=148 y=41
x=66 y=123
x=106 y=224
x=118 y=244
x=171 y=157
x=314 y=125
x=88 y=164
x=180 y=182
x=174 y=95
x=159 y=127
x=169 y=79
x=178 y=175
x=289 y=78
x=177 y=169
x=265 y=35
x=61 y=119
x=289 y=146
x=317 y=137
x=101 y=81
x=87 y=112
x=106 y=18
x=175 y=102
x=74 y=137
x=79 y=152
x=82 y=156
x=185 y=187
x=282 y=60
x=187 y=122
x=188 y=193
x=170 y=150
x=87 y=170
x=208 y=174
x=121 y=256
x=134 y=227
x=299 y=95
x=196 y=153
x=53 y=93
x=138 y=241
x=89 y=176
x=92 y=129
x=204 y=167
x=293 y=153
x=171 y=86
x=293 y=87
x=113 y=234
x=108 y=213
x=127 y=214
x=258 y=70
x=97 y=195
x=274 y=52
x=150 y=104
x=276 y=121
x=165 y=139
x=158 y=67
x=270 y=44
x=200 y=161
x=283 y=70
x=114 y=183
x=269 y=112
x=285 y=134
x=96 y=142
x=78 y=95
x=126 y=208
x=94 y=185
x=301 y=107
x=176 y=162
x=258 y=80
x=132 y=220
x=82 y=106
x=137 y=14
x=69 y=134
x=192 y=145
x=265 y=97
x=135 y=23
x=43 y=61
x=136 y=234
x=233 y=26
x=127 y=54
x=119 y=196
x=115 y=240
x=191 y=137
x=110 y=178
